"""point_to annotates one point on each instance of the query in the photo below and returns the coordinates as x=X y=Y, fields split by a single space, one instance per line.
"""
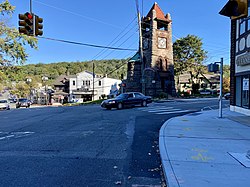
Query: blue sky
x=101 y=22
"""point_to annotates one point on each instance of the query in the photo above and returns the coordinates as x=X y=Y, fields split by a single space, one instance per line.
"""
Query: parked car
x=22 y=102
x=4 y=105
x=12 y=100
x=227 y=96
x=205 y=92
x=124 y=100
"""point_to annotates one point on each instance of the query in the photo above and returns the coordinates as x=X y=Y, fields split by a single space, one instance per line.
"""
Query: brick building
x=155 y=72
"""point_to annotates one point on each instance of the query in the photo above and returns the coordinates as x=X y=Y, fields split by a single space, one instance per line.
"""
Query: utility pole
x=140 y=47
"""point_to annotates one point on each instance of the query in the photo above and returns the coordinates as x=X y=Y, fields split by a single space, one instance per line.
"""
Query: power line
x=120 y=45
x=113 y=42
x=86 y=44
x=76 y=14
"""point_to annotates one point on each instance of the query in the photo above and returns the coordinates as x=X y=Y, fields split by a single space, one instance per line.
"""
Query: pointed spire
x=159 y=13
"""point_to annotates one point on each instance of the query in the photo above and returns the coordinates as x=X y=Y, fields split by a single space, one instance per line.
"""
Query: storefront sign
x=243 y=60
x=245 y=84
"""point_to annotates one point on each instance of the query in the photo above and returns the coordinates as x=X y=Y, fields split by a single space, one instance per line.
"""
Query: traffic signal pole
x=33 y=17
x=31 y=6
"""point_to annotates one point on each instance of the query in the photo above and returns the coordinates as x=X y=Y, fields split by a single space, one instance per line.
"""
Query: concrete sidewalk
x=200 y=150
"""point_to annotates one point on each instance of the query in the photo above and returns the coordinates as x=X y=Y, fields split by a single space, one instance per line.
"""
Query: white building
x=81 y=86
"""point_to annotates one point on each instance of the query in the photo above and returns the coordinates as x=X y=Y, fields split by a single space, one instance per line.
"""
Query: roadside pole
x=93 y=92
x=140 y=48
x=213 y=67
x=221 y=88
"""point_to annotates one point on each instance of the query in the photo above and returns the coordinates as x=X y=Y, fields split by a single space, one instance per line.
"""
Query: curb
x=171 y=181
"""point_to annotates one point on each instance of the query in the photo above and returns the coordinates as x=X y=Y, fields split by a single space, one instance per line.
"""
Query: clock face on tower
x=162 y=42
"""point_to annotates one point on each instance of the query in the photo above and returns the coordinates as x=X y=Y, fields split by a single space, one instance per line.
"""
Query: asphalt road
x=86 y=145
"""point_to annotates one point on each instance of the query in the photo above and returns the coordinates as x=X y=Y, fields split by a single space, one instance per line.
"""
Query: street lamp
x=44 y=79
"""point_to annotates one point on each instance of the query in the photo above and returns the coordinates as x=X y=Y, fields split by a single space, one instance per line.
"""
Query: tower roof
x=159 y=13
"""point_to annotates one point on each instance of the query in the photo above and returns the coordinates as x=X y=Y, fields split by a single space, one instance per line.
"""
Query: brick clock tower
x=155 y=74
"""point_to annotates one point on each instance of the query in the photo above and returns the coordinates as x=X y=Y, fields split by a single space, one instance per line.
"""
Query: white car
x=4 y=105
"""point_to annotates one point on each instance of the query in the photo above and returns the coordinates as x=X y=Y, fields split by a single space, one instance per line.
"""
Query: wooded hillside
x=113 y=68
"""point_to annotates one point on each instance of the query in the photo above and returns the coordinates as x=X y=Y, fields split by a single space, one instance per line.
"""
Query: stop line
x=160 y=110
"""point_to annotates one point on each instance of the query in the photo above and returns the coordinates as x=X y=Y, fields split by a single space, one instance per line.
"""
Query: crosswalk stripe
x=180 y=111
x=155 y=108
x=163 y=110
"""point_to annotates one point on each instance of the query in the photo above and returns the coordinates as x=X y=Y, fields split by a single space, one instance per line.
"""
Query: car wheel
x=119 y=106
x=144 y=103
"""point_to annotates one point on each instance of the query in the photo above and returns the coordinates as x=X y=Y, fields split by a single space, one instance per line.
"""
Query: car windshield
x=23 y=100
x=122 y=96
x=11 y=100
x=3 y=101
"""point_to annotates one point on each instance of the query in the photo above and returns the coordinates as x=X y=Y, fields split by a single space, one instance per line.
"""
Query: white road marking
x=162 y=110
x=14 y=134
x=180 y=111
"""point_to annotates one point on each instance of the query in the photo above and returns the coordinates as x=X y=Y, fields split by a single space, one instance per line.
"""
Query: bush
x=103 y=96
x=163 y=95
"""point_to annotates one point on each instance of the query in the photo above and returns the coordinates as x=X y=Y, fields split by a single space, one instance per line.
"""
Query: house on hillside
x=80 y=87
x=207 y=83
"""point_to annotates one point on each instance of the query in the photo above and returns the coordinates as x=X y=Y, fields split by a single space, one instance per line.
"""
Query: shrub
x=163 y=95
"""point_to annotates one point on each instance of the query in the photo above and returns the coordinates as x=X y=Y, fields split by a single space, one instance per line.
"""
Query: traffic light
x=38 y=26
x=26 y=24
x=235 y=9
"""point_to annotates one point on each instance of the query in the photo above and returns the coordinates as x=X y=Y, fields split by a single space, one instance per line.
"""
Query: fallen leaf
x=118 y=182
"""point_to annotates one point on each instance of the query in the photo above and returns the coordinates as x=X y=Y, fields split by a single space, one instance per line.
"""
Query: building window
x=83 y=83
x=74 y=83
x=100 y=83
x=248 y=24
x=238 y=91
x=245 y=91
x=242 y=26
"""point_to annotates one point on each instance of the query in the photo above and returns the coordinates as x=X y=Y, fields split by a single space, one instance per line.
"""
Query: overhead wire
x=92 y=19
x=86 y=44
x=114 y=40
x=76 y=14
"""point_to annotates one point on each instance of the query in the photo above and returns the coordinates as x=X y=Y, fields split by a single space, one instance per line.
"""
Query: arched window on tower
x=166 y=64
x=161 y=65
x=161 y=25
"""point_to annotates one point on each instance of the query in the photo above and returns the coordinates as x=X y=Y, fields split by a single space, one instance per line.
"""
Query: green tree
x=189 y=57
x=12 y=43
